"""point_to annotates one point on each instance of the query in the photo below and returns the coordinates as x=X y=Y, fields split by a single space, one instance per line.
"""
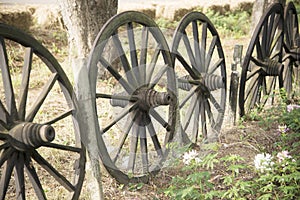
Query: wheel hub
x=148 y=98
x=270 y=67
x=26 y=136
x=206 y=83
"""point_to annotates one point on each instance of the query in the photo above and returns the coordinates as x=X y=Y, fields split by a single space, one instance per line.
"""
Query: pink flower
x=283 y=155
x=283 y=128
x=291 y=107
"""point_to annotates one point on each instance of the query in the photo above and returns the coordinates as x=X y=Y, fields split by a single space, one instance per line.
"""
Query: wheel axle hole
x=47 y=133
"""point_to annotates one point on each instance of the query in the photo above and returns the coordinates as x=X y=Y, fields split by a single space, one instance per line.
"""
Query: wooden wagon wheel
x=291 y=48
x=262 y=64
x=137 y=104
x=36 y=108
x=201 y=75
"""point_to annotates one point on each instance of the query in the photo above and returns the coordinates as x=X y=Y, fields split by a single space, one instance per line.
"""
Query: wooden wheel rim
x=26 y=159
x=290 y=50
x=262 y=44
x=133 y=81
x=205 y=59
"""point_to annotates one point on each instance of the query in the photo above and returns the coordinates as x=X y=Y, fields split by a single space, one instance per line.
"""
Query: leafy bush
x=232 y=23
x=273 y=175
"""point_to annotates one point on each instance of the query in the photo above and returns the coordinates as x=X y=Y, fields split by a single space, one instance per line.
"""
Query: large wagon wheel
x=137 y=107
x=38 y=150
x=201 y=74
x=291 y=48
x=262 y=64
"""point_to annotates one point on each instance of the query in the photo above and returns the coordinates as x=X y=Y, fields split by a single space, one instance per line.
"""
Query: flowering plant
x=283 y=155
x=191 y=156
x=263 y=162
x=283 y=128
x=291 y=107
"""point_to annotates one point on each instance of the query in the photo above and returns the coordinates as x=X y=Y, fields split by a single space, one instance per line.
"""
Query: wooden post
x=234 y=80
x=86 y=119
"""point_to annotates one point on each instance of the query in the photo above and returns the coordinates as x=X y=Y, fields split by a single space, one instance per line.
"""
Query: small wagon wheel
x=138 y=112
x=201 y=74
x=291 y=48
x=262 y=64
x=36 y=108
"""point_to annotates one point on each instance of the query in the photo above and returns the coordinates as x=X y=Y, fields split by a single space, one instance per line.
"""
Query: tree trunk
x=83 y=20
x=259 y=7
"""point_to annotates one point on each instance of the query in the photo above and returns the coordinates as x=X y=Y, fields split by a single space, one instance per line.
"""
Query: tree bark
x=83 y=20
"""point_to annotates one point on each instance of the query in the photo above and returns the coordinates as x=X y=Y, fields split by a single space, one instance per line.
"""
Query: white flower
x=263 y=162
x=189 y=156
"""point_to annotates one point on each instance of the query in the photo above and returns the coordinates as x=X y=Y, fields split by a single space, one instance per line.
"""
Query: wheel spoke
x=34 y=179
x=7 y=82
x=125 y=111
x=19 y=177
x=269 y=90
x=143 y=55
x=117 y=97
x=159 y=75
x=210 y=114
x=253 y=72
x=210 y=53
x=133 y=54
x=195 y=132
x=52 y=171
x=259 y=50
x=122 y=55
x=3 y=146
x=192 y=71
x=115 y=74
x=251 y=85
x=276 y=41
x=5 y=155
x=269 y=31
x=190 y=112
x=3 y=136
x=189 y=51
x=272 y=30
x=144 y=149
x=25 y=82
x=159 y=119
x=63 y=147
x=216 y=104
x=255 y=95
x=196 y=43
x=188 y=96
x=155 y=140
x=216 y=65
x=203 y=118
x=152 y=64
x=4 y=116
x=276 y=54
x=6 y=175
x=203 y=46
x=133 y=147
x=41 y=98
x=265 y=38
x=124 y=137
x=60 y=117
x=132 y=46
